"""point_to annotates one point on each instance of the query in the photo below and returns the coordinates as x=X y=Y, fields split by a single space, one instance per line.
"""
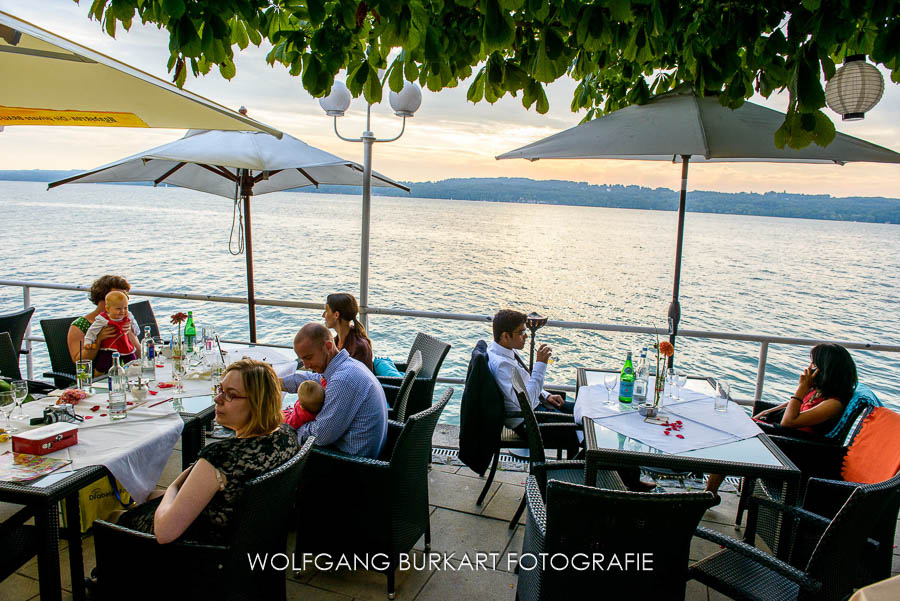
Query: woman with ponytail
x=341 y=316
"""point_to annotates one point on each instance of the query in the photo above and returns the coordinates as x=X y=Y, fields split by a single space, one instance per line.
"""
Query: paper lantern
x=855 y=88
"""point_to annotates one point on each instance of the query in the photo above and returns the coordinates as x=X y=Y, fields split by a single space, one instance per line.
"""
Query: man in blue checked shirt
x=354 y=416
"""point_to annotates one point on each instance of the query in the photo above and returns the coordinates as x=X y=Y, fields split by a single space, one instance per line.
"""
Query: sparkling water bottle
x=118 y=385
x=148 y=356
x=640 y=379
x=626 y=381
x=190 y=333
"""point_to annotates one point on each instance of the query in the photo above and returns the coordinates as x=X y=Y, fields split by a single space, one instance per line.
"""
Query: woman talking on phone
x=824 y=389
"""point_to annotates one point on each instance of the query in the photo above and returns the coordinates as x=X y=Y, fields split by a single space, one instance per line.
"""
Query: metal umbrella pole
x=246 y=184
x=675 y=305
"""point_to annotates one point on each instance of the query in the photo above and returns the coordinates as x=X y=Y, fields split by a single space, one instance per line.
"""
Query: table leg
x=590 y=470
x=76 y=555
x=46 y=521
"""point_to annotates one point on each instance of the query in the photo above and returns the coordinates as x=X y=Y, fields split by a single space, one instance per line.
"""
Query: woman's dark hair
x=101 y=287
x=835 y=371
x=347 y=309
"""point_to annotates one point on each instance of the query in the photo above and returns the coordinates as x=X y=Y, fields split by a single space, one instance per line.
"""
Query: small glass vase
x=659 y=388
x=178 y=360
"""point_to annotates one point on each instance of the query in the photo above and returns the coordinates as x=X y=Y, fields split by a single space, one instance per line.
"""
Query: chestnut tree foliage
x=621 y=51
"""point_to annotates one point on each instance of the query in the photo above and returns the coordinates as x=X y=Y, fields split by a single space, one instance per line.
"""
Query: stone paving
x=458 y=526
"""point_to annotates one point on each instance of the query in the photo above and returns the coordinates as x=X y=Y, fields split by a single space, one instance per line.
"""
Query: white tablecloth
x=701 y=425
x=135 y=449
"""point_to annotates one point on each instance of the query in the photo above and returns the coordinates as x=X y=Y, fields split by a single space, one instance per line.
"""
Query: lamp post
x=404 y=103
x=534 y=322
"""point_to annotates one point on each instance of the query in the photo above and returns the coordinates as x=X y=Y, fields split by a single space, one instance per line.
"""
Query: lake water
x=791 y=277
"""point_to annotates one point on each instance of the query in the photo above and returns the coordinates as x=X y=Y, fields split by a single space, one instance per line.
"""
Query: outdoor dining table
x=605 y=447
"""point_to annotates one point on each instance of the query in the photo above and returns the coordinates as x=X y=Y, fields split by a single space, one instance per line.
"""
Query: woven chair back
x=433 y=353
x=16 y=324
x=56 y=332
x=9 y=358
x=532 y=430
x=144 y=315
x=624 y=529
x=409 y=378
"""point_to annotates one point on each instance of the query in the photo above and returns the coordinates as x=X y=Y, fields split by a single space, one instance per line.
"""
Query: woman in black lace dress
x=200 y=503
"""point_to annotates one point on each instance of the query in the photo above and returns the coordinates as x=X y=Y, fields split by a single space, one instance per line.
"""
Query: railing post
x=29 y=357
x=761 y=370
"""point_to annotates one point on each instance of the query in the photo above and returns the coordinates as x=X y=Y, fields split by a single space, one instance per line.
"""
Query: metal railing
x=764 y=340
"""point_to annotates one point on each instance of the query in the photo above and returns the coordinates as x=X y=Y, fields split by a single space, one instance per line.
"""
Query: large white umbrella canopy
x=236 y=165
x=49 y=80
x=682 y=126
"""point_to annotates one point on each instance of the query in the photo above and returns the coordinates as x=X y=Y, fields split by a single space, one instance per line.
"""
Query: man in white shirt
x=510 y=335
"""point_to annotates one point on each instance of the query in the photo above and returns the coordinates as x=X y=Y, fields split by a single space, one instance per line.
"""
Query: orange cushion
x=874 y=455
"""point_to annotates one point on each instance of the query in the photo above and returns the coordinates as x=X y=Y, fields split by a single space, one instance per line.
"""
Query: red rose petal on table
x=95 y=408
x=129 y=403
x=667 y=432
x=88 y=417
x=153 y=391
x=679 y=435
x=102 y=415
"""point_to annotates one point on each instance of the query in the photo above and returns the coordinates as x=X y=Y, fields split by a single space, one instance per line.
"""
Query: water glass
x=19 y=389
x=723 y=394
x=671 y=383
x=682 y=381
x=158 y=345
x=7 y=404
x=84 y=374
x=610 y=381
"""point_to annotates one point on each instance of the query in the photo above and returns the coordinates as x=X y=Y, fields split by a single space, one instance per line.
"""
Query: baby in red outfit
x=310 y=398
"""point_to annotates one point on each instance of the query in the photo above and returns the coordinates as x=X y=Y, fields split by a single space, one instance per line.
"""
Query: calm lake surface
x=788 y=277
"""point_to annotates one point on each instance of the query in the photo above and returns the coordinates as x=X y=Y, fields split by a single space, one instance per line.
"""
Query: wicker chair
x=185 y=570
x=422 y=394
x=143 y=313
x=371 y=506
x=16 y=324
x=19 y=541
x=539 y=466
x=398 y=411
x=822 y=564
x=825 y=492
x=9 y=358
x=578 y=519
x=56 y=332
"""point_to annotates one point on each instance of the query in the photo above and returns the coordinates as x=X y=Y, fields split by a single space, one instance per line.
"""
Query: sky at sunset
x=448 y=137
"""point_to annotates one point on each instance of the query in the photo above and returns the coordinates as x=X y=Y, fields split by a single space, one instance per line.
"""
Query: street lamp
x=405 y=103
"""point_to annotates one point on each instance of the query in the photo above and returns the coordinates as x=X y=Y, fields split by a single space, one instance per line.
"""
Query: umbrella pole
x=248 y=241
x=675 y=306
x=368 y=141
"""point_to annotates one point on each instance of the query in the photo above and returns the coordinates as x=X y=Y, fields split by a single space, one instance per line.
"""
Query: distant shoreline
x=560 y=192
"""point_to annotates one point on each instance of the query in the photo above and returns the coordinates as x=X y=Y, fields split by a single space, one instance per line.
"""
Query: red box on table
x=45 y=439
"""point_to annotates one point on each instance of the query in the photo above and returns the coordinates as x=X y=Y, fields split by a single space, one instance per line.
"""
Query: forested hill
x=524 y=190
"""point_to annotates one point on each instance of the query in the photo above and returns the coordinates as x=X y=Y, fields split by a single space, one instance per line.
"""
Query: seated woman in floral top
x=200 y=504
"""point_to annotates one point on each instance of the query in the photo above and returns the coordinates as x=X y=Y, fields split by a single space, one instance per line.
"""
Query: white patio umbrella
x=236 y=165
x=49 y=80
x=682 y=126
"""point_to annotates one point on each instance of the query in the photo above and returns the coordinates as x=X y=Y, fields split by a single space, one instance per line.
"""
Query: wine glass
x=610 y=381
x=7 y=404
x=682 y=381
x=19 y=389
x=671 y=383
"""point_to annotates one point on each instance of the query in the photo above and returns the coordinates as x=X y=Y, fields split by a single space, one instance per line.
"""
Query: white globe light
x=855 y=88
x=407 y=101
x=337 y=101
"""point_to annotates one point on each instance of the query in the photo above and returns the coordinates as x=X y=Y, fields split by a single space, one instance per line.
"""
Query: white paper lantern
x=407 y=101
x=338 y=101
x=855 y=88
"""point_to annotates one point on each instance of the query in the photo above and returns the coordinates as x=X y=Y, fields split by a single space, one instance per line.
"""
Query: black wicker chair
x=606 y=525
x=134 y=565
x=9 y=358
x=143 y=313
x=539 y=466
x=824 y=492
x=371 y=506
x=401 y=401
x=823 y=562
x=16 y=324
x=56 y=332
x=420 y=398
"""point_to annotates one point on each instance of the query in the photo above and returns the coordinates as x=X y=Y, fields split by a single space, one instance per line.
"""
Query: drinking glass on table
x=723 y=395
x=671 y=383
x=7 y=404
x=158 y=345
x=84 y=374
x=682 y=381
x=610 y=381
x=19 y=389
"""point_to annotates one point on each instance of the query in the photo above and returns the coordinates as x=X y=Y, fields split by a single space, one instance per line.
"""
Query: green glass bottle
x=626 y=381
x=190 y=333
